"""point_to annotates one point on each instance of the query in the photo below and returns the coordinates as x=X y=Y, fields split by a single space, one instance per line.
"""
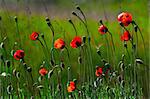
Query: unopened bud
x=16 y=19
x=29 y=69
x=84 y=39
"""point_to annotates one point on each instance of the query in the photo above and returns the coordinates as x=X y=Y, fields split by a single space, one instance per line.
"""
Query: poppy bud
x=1 y=57
x=3 y=74
x=133 y=92
x=35 y=84
x=74 y=13
x=9 y=89
x=40 y=87
x=122 y=66
x=95 y=84
x=122 y=83
x=25 y=65
x=75 y=80
x=42 y=35
x=32 y=97
x=101 y=22
x=69 y=68
x=80 y=93
x=12 y=52
x=14 y=72
x=121 y=24
x=107 y=88
x=70 y=21
x=48 y=23
x=125 y=45
x=59 y=87
x=119 y=79
x=135 y=28
x=52 y=63
x=134 y=46
x=84 y=39
x=62 y=65
x=104 y=61
x=89 y=38
x=16 y=19
x=98 y=52
x=18 y=75
x=43 y=62
x=123 y=56
x=2 y=45
x=29 y=69
x=139 y=61
x=77 y=7
x=7 y=63
x=79 y=60
x=47 y=19
x=50 y=73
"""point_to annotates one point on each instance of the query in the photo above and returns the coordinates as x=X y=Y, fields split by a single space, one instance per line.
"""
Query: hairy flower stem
x=52 y=30
x=43 y=47
x=146 y=67
x=69 y=66
x=17 y=30
x=70 y=21
x=89 y=43
x=107 y=45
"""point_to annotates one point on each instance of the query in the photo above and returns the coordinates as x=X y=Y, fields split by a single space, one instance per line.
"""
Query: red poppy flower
x=102 y=29
x=43 y=71
x=125 y=18
x=34 y=36
x=126 y=36
x=71 y=86
x=59 y=44
x=19 y=54
x=76 y=42
x=99 y=71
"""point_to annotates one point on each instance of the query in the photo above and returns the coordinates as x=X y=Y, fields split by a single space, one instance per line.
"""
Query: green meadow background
x=31 y=16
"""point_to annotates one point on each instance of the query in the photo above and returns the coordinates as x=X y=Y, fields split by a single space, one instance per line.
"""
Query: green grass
x=34 y=53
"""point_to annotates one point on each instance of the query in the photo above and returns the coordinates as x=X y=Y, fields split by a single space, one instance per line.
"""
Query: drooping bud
x=16 y=19
x=84 y=39
x=29 y=69
x=7 y=63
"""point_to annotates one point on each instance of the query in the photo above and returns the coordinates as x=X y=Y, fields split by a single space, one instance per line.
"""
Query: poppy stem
x=133 y=22
x=112 y=40
x=70 y=21
x=17 y=29
x=69 y=67
x=43 y=47
x=78 y=8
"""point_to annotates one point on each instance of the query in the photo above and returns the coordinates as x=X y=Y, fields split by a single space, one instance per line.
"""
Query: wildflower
x=125 y=18
x=76 y=42
x=43 y=71
x=34 y=36
x=102 y=29
x=59 y=44
x=19 y=54
x=99 y=71
x=126 y=36
x=71 y=87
